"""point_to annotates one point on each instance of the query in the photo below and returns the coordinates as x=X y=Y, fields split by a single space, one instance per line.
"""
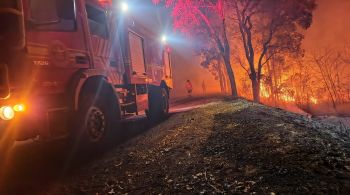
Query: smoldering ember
x=174 y=97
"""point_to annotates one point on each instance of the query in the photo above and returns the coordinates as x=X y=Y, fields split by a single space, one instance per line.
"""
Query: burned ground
x=231 y=146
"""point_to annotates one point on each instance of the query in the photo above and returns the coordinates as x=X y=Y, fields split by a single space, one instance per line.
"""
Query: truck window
x=8 y=4
x=97 y=21
x=53 y=15
x=9 y=24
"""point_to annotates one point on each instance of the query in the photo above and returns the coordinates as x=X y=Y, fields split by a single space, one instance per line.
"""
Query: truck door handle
x=81 y=59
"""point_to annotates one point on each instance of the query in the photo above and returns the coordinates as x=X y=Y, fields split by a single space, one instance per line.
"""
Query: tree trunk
x=220 y=76
x=231 y=76
x=225 y=80
x=221 y=85
x=270 y=83
x=275 y=82
x=221 y=79
x=256 y=90
x=227 y=89
x=226 y=51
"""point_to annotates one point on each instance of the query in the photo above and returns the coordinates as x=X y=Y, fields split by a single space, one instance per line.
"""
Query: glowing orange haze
x=330 y=28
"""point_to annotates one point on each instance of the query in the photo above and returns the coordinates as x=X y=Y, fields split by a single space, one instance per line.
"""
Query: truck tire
x=95 y=122
x=158 y=108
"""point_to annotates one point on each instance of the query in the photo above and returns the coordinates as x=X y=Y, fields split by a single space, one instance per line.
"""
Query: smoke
x=330 y=30
x=186 y=66
x=330 y=26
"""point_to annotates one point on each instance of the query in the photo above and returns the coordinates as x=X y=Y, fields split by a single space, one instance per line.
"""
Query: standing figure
x=189 y=88
x=204 y=88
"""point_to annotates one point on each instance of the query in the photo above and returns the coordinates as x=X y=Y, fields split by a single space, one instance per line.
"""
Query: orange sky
x=331 y=25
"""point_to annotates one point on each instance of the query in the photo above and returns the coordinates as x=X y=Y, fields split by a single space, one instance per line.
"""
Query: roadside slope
x=223 y=147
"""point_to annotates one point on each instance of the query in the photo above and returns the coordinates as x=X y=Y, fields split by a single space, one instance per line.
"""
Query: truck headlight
x=19 y=108
x=7 y=113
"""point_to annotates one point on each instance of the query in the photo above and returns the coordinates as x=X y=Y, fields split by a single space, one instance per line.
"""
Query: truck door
x=55 y=41
x=137 y=57
x=168 y=74
x=167 y=65
x=100 y=35
x=138 y=70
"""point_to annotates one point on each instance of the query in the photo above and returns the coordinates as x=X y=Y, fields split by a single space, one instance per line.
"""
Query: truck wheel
x=158 y=108
x=95 y=122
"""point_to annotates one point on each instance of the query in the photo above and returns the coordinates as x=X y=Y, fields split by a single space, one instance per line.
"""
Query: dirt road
x=221 y=147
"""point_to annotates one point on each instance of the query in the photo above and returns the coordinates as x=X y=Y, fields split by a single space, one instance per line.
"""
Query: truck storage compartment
x=137 y=54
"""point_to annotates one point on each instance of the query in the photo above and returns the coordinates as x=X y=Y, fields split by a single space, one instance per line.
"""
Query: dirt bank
x=222 y=147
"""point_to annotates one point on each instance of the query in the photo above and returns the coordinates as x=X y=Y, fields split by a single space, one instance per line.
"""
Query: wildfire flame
x=287 y=98
x=264 y=92
x=314 y=100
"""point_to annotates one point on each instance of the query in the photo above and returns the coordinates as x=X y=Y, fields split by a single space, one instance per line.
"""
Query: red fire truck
x=75 y=68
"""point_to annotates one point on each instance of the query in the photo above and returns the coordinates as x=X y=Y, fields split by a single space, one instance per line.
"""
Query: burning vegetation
x=257 y=47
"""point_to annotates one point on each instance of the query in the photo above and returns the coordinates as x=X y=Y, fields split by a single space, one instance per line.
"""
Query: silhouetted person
x=189 y=88
x=204 y=88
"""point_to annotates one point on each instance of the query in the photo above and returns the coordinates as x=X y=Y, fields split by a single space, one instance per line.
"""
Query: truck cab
x=75 y=68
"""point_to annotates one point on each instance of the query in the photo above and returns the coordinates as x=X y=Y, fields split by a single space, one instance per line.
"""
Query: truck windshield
x=9 y=24
x=8 y=4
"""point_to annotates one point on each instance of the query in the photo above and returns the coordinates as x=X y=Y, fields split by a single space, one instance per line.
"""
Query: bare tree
x=268 y=28
x=206 y=20
x=332 y=72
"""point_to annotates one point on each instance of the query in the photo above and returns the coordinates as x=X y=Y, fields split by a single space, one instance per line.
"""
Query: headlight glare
x=7 y=113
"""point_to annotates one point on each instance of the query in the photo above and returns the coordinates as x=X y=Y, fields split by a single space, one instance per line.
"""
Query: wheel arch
x=165 y=86
x=86 y=81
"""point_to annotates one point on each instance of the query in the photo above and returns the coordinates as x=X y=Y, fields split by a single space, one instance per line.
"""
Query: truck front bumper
x=19 y=129
x=18 y=125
